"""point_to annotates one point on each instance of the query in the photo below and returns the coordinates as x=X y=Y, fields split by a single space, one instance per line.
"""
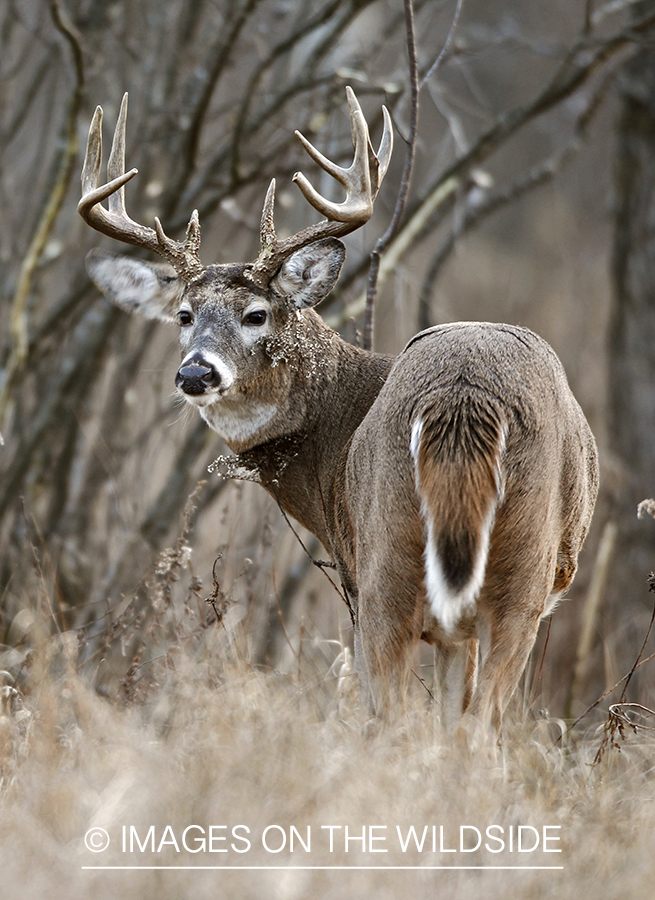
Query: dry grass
x=203 y=738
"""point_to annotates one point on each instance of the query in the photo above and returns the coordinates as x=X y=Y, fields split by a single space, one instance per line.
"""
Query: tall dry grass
x=184 y=731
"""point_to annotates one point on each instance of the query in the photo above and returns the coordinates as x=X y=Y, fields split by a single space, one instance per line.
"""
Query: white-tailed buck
x=453 y=485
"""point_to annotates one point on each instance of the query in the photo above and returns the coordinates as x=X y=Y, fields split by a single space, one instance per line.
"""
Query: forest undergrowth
x=153 y=730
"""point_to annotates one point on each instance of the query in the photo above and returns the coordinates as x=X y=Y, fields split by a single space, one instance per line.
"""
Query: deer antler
x=115 y=221
x=361 y=180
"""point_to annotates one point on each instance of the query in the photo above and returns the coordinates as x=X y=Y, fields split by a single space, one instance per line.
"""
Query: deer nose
x=196 y=375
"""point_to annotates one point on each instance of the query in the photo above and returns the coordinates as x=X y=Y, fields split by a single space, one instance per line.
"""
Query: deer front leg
x=387 y=566
x=386 y=636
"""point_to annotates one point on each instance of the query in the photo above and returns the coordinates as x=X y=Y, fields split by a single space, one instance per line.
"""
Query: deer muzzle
x=196 y=375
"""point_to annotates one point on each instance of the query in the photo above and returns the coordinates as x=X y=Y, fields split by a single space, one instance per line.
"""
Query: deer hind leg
x=507 y=634
x=455 y=678
x=508 y=626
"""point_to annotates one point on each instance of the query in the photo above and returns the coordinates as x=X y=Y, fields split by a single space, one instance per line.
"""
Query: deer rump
x=471 y=484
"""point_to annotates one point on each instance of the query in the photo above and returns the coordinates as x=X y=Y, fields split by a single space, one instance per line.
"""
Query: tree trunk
x=631 y=419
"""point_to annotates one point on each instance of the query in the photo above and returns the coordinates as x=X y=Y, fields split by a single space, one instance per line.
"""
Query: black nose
x=196 y=375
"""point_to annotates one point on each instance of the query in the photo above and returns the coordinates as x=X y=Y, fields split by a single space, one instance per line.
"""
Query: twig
x=615 y=722
x=227 y=157
x=426 y=688
x=637 y=660
x=219 y=57
x=539 y=175
x=581 y=63
x=590 y=612
x=435 y=65
x=18 y=321
x=621 y=713
x=401 y=201
x=320 y=564
x=537 y=680
x=241 y=129
x=281 y=618
x=217 y=595
x=605 y=694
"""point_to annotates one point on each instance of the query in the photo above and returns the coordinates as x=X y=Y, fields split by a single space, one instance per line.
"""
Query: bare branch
x=22 y=107
x=401 y=202
x=214 y=67
x=540 y=174
x=246 y=127
x=581 y=64
x=18 y=325
x=435 y=65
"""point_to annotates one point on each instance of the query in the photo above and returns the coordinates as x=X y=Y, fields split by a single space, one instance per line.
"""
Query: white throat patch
x=238 y=422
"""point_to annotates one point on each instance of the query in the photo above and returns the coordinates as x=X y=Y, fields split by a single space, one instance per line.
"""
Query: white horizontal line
x=325 y=868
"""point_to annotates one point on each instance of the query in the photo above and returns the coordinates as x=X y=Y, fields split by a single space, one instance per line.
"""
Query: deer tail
x=458 y=467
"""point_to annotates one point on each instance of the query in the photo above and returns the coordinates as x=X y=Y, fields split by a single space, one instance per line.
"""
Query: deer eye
x=184 y=317
x=256 y=317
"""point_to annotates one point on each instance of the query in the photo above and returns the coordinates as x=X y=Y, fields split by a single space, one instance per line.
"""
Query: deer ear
x=150 y=289
x=309 y=274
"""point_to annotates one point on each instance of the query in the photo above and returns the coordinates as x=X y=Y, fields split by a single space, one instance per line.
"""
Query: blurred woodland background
x=532 y=201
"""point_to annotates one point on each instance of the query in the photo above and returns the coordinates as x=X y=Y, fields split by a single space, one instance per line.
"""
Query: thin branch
x=227 y=157
x=453 y=26
x=18 y=323
x=170 y=498
x=415 y=228
x=220 y=55
x=401 y=202
x=281 y=49
x=606 y=694
x=579 y=66
x=22 y=107
x=319 y=563
x=614 y=722
x=74 y=378
x=638 y=659
x=540 y=672
x=539 y=175
x=590 y=613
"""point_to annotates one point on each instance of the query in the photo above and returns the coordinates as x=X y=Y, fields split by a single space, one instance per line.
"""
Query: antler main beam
x=361 y=180
x=114 y=221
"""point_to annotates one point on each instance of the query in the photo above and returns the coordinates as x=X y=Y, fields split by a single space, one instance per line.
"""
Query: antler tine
x=91 y=193
x=116 y=161
x=383 y=156
x=93 y=154
x=363 y=177
x=267 y=229
x=115 y=221
x=361 y=180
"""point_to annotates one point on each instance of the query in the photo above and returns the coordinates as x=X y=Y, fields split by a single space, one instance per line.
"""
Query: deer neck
x=329 y=386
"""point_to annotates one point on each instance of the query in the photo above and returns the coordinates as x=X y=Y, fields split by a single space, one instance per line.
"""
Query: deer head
x=236 y=321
